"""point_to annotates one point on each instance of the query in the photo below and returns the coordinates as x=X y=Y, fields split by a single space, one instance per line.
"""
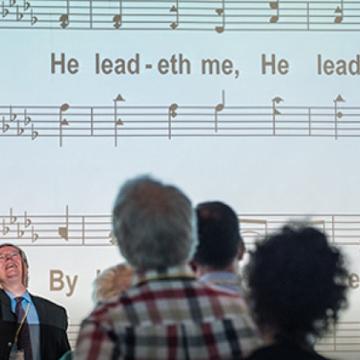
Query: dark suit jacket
x=53 y=324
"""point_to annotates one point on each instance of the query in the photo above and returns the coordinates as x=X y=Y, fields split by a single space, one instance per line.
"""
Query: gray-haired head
x=154 y=224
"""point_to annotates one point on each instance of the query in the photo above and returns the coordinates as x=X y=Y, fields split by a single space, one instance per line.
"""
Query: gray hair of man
x=154 y=224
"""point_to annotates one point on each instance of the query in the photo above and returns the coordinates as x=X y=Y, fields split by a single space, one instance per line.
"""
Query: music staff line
x=174 y=15
x=336 y=120
x=70 y=229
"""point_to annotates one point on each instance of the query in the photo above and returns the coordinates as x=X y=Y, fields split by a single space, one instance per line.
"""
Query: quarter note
x=63 y=231
x=221 y=13
x=218 y=108
x=274 y=5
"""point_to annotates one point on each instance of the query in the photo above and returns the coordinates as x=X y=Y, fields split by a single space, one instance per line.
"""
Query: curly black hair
x=297 y=282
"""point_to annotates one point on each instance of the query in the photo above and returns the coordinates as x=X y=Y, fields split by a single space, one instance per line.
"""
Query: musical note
x=65 y=18
x=175 y=9
x=339 y=12
x=63 y=231
x=338 y=114
x=274 y=5
x=62 y=121
x=275 y=112
x=221 y=12
x=172 y=113
x=117 y=19
x=117 y=121
x=218 y=108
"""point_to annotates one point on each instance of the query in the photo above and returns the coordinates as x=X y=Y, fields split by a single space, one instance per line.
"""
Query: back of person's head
x=219 y=235
x=297 y=282
x=112 y=282
x=154 y=224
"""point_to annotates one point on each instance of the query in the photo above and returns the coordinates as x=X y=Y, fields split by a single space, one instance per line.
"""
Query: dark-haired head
x=297 y=282
x=220 y=242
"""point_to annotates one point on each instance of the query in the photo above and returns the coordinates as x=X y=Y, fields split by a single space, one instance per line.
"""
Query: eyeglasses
x=4 y=257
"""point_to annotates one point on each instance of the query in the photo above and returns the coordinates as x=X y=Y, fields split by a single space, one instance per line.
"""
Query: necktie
x=23 y=342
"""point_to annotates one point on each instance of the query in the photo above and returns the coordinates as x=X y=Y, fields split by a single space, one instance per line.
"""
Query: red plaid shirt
x=169 y=315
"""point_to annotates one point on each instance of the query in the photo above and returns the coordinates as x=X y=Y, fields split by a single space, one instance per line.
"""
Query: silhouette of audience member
x=166 y=313
x=297 y=285
x=220 y=247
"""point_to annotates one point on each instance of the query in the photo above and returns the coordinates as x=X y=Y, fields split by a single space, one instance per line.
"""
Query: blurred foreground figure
x=31 y=328
x=112 y=282
x=220 y=247
x=166 y=313
x=297 y=286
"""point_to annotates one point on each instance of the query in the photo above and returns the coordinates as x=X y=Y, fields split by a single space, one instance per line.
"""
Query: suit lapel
x=6 y=313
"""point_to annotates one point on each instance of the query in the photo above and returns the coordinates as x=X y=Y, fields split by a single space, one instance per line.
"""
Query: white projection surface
x=254 y=103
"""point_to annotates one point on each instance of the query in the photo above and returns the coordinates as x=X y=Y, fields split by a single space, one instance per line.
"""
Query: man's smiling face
x=11 y=267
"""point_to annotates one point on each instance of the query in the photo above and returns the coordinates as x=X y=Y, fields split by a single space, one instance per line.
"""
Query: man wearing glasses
x=31 y=328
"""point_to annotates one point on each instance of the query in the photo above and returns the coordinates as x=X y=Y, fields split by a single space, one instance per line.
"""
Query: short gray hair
x=154 y=224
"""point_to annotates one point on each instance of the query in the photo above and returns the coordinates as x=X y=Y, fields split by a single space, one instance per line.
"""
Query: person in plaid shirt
x=166 y=313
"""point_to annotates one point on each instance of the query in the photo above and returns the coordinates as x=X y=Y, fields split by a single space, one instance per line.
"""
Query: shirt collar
x=25 y=296
x=220 y=276
x=170 y=273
